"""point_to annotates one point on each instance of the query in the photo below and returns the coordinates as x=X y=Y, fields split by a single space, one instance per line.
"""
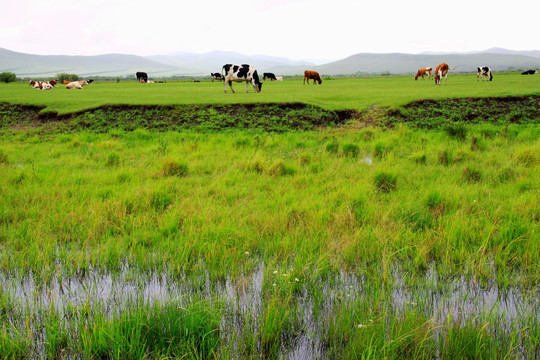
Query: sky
x=294 y=29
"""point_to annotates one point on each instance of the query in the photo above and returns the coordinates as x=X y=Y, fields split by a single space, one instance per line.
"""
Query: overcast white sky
x=296 y=29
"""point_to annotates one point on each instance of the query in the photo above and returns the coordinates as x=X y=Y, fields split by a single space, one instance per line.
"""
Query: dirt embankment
x=497 y=110
x=274 y=116
x=269 y=117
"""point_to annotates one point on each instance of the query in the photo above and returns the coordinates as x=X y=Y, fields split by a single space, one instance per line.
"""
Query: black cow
x=240 y=73
x=142 y=76
x=530 y=72
x=484 y=73
x=270 y=76
x=216 y=76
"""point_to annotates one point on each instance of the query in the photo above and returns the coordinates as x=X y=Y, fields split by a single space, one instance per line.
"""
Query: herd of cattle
x=49 y=85
x=248 y=73
x=483 y=72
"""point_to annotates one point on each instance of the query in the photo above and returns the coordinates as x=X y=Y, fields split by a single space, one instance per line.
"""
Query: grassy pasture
x=335 y=243
x=338 y=94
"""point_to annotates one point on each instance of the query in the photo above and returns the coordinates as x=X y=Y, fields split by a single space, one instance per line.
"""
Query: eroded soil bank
x=276 y=117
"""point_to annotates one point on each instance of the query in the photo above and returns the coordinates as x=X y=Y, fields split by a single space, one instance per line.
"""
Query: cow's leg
x=230 y=85
x=247 y=86
x=225 y=85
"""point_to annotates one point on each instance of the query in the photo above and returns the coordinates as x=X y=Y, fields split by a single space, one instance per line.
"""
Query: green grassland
x=333 y=94
x=357 y=238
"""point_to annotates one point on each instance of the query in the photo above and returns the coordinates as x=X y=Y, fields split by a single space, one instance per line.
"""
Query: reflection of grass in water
x=278 y=313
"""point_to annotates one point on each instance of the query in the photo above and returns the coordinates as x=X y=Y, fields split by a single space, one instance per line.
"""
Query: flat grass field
x=366 y=239
x=337 y=94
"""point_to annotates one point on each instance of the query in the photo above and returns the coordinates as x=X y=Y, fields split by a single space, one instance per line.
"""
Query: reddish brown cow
x=440 y=72
x=423 y=72
x=308 y=74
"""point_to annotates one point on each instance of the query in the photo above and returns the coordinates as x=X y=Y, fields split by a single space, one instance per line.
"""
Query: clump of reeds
x=385 y=181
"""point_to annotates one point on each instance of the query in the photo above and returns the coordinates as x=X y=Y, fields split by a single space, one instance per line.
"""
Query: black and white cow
x=484 y=73
x=529 y=72
x=216 y=76
x=270 y=76
x=141 y=76
x=240 y=73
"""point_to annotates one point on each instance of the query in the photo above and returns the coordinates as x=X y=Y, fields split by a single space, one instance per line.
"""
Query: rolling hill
x=27 y=65
x=189 y=64
x=398 y=63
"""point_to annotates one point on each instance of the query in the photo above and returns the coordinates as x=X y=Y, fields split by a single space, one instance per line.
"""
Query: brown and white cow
x=442 y=71
x=35 y=84
x=423 y=72
x=308 y=74
x=43 y=85
x=46 y=85
x=241 y=73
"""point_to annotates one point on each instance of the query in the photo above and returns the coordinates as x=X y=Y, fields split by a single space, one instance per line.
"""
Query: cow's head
x=257 y=84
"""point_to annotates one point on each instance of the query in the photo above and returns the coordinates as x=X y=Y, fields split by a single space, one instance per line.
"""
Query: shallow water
x=244 y=300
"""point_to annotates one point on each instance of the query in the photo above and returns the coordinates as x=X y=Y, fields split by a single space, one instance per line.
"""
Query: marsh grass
x=300 y=203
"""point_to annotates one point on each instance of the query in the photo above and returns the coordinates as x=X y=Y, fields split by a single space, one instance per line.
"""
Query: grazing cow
x=484 y=73
x=216 y=76
x=46 y=85
x=422 y=72
x=529 y=72
x=240 y=73
x=270 y=76
x=440 y=72
x=141 y=76
x=76 y=84
x=279 y=78
x=308 y=74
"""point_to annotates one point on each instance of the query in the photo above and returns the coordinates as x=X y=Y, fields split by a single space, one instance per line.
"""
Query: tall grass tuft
x=419 y=157
x=351 y=150
x=456 y=131
x=174 y=168
x=471 y=175
x=113 y=159
x=385 y=181
x=279 y=168
x=444 y=157
x=3 y=158
x=380 y=149
x=332 y=147
x=527 y=157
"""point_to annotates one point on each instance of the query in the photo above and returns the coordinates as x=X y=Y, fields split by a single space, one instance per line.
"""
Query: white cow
x=240 y=73
x=76 y=84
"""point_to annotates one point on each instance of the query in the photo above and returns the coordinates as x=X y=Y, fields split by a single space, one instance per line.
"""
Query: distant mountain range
x=190 y=64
